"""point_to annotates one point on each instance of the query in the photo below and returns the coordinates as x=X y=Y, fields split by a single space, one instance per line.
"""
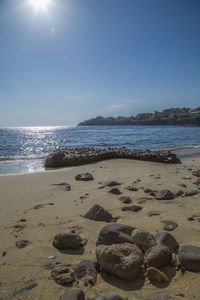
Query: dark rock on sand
x=111 y=296
x=134 y=208
x=164 y=195
x=179 y=193
x=115 y=191
x=166 y=239
x=191 y=193
x=110 y=183
x=153 y=213
x=73 y=295
x=189 y=257
x=84 y=177
x=122 y=260
x=86 y=270
x=125 y=199
x=98 y=213
x=143 y=239
x=158 y=256
x=68 y=240
x=131 y=188
x=162 y=296
x=63 y=275
x=21 y=244
x=153 y=274
x=115 y=234
x=65 y=184
x=169 y=225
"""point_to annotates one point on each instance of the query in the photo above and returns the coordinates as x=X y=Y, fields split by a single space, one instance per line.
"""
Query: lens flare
x=39 y=4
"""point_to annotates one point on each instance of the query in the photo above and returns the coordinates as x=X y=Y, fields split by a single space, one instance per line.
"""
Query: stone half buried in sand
x=63 y=275
x=134 y=208
x=189 y=257
x=73 y=295
x=98 y=213
x=68 y=240
x=112 y=296
x=162 y=296
x=153 y=274
x=79 y=156
x=86 y=271
x=165 y=195
x=84 y=177
x=115 y=234
x=121 y=260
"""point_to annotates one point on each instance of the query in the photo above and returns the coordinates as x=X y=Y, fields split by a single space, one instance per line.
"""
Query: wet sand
x=35 y=210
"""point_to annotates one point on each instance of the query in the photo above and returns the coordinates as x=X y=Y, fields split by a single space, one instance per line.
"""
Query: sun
x=39 y=4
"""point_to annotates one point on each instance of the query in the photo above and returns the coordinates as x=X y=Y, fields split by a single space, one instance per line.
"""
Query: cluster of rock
x=128 y=253
x=65 y=157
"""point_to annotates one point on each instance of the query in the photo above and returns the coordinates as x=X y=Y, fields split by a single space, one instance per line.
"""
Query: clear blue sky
x=82 y=58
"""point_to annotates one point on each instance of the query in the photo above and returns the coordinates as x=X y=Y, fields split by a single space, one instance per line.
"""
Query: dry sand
x=20 y=194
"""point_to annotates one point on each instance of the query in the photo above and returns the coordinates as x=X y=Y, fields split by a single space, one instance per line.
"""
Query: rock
x=134 y=208
x=115 y=191
x=187 y=177
x=125 y=199
x=192 y=218
x=122 y=260
x=189 y=257
x=191 y=193
x=166 y=239
x=164 y=195
x=153 y=213
x=169 y=225
x=115 y=234
x=154 y=274
x=110 y=183
x=98 y=213
x=84 y=177
x=65 y=184
x=162 y=296
x=68 y=240
x=197 y=182
x=86 y=270
x=157 y=256
x=62 y=275
x=111 y=296
x=183 y=185
x=73 y=295
x=131 y=188
x=196 y=173
x=21 y=244
x=179 y=193
x=143 y=239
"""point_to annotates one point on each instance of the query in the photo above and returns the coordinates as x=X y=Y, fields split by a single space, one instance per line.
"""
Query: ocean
x=23 y=149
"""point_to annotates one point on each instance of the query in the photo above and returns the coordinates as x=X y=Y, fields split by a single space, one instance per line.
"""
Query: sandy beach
x=34 y=209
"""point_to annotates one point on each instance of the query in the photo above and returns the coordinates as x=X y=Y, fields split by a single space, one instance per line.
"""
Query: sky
x=72 y=60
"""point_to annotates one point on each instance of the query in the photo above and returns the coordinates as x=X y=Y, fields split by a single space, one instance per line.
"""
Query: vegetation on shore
x=173 y=116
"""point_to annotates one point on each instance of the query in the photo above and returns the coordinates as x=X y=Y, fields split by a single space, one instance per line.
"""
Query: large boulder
x=68 y=240
x=158 y=256
x=166 y=239
x=111 y=296
x=73 y=295
x=86 y=271
x=143 y=239
x=189 y=257
x=122 y=260
x=115 y=234
x=165 y=195
x=98 y=213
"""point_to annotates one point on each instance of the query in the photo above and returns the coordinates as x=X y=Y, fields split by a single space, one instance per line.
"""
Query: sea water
x=23 y=149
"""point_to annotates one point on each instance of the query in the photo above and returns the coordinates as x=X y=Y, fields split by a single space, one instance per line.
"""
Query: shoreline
x=36 y=165
x=60 y=211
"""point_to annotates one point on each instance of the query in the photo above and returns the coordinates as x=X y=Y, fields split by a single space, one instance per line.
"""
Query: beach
x=33 y=208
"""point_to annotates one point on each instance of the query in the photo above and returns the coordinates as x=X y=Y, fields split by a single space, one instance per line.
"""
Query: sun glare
x=39 y=4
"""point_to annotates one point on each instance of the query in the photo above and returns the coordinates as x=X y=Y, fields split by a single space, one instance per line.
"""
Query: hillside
x=173 y=116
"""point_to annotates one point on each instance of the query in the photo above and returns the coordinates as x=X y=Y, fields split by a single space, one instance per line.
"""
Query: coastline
x=62 y=210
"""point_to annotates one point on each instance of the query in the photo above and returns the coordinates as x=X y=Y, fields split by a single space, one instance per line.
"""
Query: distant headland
x=173 y=116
